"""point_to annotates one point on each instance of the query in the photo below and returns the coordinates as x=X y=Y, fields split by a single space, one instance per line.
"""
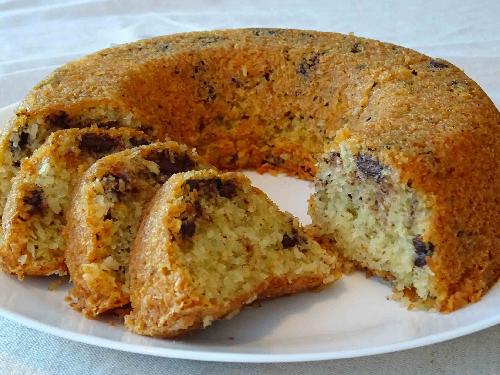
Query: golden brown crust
x=193 y=317
x=234 y=94
x=79 y=239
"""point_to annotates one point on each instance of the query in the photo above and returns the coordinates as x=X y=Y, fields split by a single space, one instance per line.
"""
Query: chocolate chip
x=163 y=47
x=273 y=160
x=356 y=47
x=333 y=155
x=98 y=143
x=422 y=249
x=211 y=94
x=261 y=32
x=219 y=120
x=209 y=89
x=58 y=120
x=13 y=150
x=209 y=39
x=199 y=67
x=138 y=141
x=148 y=129
x=236 y=82
x=435 y=64
x=170 y=165
x=306 y=66
x=414 y=72
x=201 y=125
x=369 y=167
x=105 y=124
x=108 y=215
x=420 y=261
x=267 y=76
x=23 y=140
x=188 y=228
x=194 y=208
x=34 y=199
x=332 y=158
x=193 y=184
x=226 y=189
x=305 y=34
x=289 y=241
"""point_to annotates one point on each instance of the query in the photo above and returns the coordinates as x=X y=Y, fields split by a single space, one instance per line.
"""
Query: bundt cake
x=32 y=241
x=211 y=244
x=395 y=132
x=104 y=216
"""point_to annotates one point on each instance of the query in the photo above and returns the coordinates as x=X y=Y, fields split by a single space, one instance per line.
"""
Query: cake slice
x=105 y=214
x=211 y=244
x=28 y=130
x=32 y=241
x=375 y=221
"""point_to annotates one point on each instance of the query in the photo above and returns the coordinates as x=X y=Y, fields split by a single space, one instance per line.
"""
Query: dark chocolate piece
x=306 y=66
x=169 y=166
x=435 y=64
x=289 y=241
x=23 y=140
x=98 y=143
x=138 y=141
x=188 y=228
x=35 y=200
x=268 y=32
x=108 y=215
x=369 y=167
x=226 y=189
x=163 y=47
x=58 y=120
x=423 y=250
x=356 y=47
x=209 y=39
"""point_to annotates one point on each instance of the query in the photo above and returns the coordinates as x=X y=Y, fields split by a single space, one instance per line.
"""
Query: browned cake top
x=394 y=98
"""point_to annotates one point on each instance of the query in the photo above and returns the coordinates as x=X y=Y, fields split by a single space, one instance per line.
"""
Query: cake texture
x=406 y=126
x=211 y=244
x=32 y=241
x=105 y=214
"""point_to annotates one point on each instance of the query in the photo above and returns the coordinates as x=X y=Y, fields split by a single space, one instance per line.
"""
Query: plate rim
x=218 y=356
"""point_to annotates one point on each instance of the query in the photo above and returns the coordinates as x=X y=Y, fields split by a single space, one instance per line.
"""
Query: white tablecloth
x=36 y=36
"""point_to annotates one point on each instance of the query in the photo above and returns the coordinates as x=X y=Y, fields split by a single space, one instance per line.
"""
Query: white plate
x=355 y=317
